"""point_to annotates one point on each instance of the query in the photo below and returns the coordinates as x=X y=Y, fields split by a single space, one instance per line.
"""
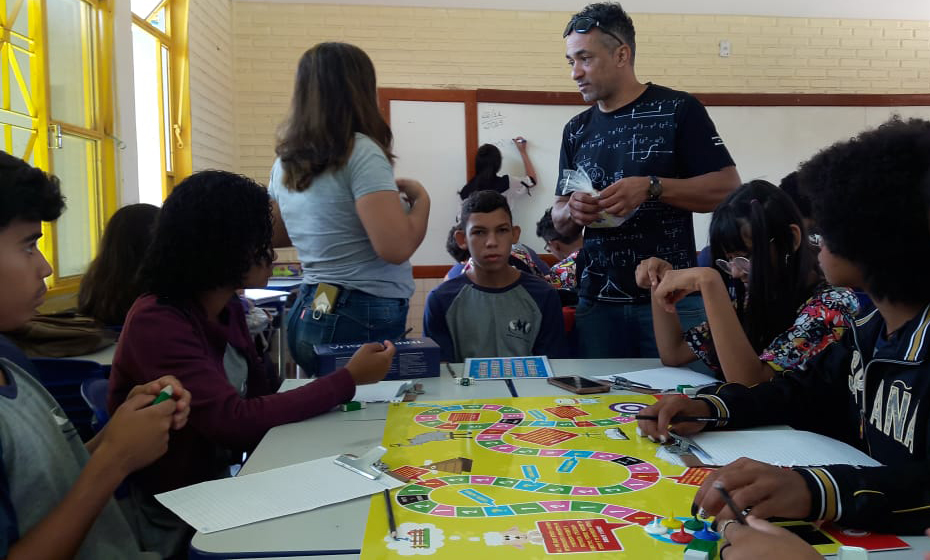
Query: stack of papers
x=780 y=447
x=230 y=502
x=382 y=391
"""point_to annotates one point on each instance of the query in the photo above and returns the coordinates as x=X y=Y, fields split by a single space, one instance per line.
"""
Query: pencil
x=678 y=419
x=390 y=513
x=729 y=500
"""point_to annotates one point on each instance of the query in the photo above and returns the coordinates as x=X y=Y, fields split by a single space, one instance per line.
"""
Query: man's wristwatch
x=655 y=188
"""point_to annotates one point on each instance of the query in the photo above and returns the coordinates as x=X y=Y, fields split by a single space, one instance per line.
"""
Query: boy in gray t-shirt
x=493 y=309
x=55 y=492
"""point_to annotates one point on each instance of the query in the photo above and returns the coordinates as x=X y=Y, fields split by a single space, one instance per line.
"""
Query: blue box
x=415 y=358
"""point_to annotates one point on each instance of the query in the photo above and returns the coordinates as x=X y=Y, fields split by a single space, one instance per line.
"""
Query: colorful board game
x=529 y=477
x=508 y=368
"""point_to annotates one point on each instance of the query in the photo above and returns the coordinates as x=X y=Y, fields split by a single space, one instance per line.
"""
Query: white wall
x=213 y=144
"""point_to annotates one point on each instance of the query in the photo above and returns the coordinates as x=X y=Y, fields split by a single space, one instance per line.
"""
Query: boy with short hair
x=492 y=309
x=870 y=389
x=55 y=499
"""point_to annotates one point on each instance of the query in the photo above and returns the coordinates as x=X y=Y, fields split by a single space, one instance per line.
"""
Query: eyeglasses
x=583 y=24
x=735 y=266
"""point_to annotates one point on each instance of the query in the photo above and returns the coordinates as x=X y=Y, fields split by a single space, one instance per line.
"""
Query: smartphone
x=580 y=385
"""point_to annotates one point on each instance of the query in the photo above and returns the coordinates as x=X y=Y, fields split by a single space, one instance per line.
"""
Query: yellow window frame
x=101 y=164
x=176 y=13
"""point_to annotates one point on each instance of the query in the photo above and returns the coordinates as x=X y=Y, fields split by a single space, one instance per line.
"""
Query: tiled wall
x=212 y=94
x=417 y=302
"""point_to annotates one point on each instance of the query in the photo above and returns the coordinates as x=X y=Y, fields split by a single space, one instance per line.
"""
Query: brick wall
x=212 y=94
x=524 y=50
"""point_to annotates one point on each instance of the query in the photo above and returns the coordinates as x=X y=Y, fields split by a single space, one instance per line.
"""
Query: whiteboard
x=765 y=142
x=429 y=141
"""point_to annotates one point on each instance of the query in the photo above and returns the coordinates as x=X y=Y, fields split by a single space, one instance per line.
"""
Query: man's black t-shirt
x=663 y=132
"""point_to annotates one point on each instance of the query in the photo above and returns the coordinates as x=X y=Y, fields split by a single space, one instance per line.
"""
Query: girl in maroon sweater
x=213 y=237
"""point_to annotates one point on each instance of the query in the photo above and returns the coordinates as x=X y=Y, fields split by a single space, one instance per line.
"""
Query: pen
x=677 y=419
x=390 y=513
x=164 y=395
x=729 y=500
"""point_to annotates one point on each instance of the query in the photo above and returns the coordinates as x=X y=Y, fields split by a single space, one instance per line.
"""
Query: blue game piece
x=706 y=534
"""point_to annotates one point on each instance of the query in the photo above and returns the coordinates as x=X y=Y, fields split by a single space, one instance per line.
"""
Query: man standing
x=654 y=157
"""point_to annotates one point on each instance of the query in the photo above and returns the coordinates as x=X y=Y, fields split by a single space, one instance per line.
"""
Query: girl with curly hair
x=213 y=237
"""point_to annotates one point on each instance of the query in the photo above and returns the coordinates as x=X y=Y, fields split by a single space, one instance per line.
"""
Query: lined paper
x=231 y=502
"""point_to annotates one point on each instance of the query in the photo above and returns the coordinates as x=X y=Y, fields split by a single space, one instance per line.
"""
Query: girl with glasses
x=779 y=311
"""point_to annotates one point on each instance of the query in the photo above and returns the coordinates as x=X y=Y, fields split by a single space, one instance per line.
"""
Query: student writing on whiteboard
x=488 y=165
x=784 y=312
x=333 y=184
x=645 y=148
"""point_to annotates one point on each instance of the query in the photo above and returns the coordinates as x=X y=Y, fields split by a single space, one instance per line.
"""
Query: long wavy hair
x=781 y=276
x=111 y=282
x=335 y=96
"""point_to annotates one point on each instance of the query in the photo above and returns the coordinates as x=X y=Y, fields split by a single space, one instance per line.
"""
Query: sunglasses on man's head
x=583 y=24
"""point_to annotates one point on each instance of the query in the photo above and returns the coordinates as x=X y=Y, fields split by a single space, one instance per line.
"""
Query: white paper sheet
x=232 y=502
x=382 y=391
x=664 y=378
x=784 y=448
x=261 y=296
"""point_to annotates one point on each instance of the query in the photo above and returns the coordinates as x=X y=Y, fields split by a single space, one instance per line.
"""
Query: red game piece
x=681 y=537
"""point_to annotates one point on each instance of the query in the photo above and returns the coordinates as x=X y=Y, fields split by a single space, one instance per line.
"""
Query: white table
x=337 y=531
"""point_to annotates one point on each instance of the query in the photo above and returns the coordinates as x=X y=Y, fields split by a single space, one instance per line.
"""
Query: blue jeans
x=624 y=330
x=356 y=317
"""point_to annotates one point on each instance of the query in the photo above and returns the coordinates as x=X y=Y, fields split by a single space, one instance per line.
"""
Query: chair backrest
x=62 y=377
x=94 y=392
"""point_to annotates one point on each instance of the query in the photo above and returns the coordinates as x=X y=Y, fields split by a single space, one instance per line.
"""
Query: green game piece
x=694 y=524
x=710 y=547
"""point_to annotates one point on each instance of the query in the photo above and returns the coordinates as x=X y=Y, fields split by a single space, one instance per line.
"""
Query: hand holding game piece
x=760 y=540
x=371 y=362
x=668 y=407
x=768 y=490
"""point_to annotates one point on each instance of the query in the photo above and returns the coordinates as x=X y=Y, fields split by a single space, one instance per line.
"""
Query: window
x=157 y=57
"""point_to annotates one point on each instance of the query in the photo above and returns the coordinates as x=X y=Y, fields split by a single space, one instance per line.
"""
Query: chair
x=62 y=377
x=94 y=392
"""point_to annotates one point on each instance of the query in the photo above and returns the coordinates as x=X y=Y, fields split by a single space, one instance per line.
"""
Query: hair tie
x=754 y=201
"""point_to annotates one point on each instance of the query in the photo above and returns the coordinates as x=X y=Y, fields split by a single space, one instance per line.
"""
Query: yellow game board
x=525 y=478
